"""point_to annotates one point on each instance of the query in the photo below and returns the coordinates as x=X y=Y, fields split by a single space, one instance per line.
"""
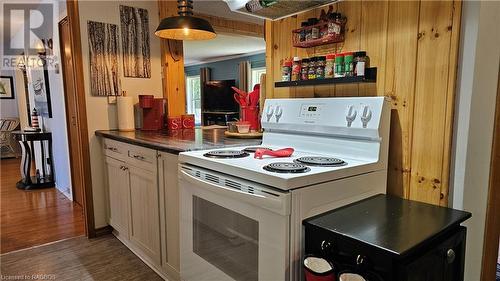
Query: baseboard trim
x=101 y=231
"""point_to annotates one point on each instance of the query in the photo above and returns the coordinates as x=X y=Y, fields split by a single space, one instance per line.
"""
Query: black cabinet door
x=444 y=262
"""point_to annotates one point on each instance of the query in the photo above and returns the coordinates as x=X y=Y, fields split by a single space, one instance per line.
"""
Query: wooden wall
x=414 y=46
x=172 y=59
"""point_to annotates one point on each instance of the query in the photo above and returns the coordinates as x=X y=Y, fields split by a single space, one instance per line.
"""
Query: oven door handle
x=276 y=203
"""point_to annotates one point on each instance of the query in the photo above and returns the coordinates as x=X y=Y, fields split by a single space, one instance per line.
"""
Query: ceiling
x=224 y=46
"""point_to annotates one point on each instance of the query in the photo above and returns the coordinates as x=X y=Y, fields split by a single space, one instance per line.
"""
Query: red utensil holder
x=251 y=114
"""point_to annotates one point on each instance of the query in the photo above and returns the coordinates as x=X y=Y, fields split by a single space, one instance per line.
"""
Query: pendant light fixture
x=185 y=26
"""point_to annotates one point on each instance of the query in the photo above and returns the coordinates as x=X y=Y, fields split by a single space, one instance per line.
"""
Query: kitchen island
x=142 y=188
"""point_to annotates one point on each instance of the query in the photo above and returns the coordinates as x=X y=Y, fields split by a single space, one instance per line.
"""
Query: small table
x=27 y=141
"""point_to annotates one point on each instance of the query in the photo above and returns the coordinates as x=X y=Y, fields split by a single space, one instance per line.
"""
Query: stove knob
x=269 y=113
x=278 y=113
x=350 y=115
x=366 y=115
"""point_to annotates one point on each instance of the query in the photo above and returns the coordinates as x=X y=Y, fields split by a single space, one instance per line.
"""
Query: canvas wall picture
x=6 y=87
x=103 y=55
x=135 y=42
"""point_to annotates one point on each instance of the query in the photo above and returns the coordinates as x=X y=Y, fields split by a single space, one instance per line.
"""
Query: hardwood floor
x=30 y=218
x=103 y=258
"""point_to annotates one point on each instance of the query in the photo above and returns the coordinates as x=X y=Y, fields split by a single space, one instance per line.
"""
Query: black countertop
x=389 y=223
x=176 y=141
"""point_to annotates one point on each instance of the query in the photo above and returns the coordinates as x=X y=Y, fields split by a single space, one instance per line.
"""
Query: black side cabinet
x=391 y=239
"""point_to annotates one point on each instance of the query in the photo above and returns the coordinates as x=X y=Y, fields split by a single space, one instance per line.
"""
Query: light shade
x=185 y=28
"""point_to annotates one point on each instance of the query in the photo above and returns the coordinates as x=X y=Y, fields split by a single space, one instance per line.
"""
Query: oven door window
x=226 y=239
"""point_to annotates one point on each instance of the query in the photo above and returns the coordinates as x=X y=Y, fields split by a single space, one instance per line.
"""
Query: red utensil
x=242 y=96
x=237 y=98
x=285 y=152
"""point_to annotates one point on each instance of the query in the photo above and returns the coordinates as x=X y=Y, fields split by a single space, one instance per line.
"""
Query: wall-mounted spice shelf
x=327 y=32
x=370 y=77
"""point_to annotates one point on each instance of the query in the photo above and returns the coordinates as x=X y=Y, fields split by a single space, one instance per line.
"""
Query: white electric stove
x=241 y=217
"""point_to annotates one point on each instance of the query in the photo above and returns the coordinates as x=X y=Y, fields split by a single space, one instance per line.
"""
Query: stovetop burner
x=320 y=161
x=286 y=167
x=226 y=154
x=252 y=149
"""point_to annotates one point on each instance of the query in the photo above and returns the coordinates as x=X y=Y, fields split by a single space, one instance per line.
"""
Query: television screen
x=218 y=96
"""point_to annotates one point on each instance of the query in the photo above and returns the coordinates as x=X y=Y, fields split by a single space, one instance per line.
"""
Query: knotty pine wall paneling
x=172 y=59
x=414 y=46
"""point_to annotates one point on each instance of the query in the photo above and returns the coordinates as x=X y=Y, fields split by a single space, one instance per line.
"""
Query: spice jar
x=330 y=66
x=320 y=67
x=303 y=32
x=296 y=67
x=314 y=29
x=360 y=63
x=339 y=65
x=348 y=64
x=304 y=71
x=311 y=73
x=286 y=70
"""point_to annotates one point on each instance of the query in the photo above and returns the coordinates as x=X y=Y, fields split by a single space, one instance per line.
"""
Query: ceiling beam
x=228 y=26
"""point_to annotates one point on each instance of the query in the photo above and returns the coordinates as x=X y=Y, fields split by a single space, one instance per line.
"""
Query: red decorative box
x=174 y=122
x=188 y=121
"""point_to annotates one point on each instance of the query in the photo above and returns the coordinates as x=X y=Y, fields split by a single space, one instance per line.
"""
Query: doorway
x=491 y=248
x=71 y=111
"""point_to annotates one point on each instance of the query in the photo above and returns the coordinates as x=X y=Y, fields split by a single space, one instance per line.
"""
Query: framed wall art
x=38 y=87
x=7 y=87
x=103 y=53
x=136 y=51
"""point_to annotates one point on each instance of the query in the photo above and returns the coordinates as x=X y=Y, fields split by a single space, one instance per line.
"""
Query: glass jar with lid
x=320 y=67
x=312 y=69
x=339 y=65
x=330 y=66
x=304 y=71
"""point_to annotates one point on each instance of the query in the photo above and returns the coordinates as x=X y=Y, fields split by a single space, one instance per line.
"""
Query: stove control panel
x=362 y=116
x=311 y=111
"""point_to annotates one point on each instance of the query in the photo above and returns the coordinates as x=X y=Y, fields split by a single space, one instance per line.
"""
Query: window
x=193 y=97
x=255 y=79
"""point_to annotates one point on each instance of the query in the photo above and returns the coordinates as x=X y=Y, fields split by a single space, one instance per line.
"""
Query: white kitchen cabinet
x=169 y=206
x=144 y=204
x=119 y=196
x=145 y=212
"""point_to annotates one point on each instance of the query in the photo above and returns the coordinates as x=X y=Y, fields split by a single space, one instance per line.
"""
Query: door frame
x=492 y=226
x=73 y=18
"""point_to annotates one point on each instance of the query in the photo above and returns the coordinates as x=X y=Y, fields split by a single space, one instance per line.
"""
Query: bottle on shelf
x=339 y=66
x=360 y=63
x=296 y=69
x=348 y=64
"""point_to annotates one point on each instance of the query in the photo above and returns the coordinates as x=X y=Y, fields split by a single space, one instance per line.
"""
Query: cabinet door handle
x=139 y=157
x=450 y=256
x=114 y=149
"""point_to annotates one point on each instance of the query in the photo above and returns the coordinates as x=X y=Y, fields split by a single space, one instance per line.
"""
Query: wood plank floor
x=103 y=258
x=30 y=218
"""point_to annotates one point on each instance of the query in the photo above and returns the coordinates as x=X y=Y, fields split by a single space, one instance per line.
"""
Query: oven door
x=232 y=229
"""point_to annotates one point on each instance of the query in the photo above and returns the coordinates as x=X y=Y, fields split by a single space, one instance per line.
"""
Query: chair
x=7 y=125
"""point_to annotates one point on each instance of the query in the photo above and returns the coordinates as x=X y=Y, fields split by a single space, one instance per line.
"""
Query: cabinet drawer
x=141 y=157
x=115 y=149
